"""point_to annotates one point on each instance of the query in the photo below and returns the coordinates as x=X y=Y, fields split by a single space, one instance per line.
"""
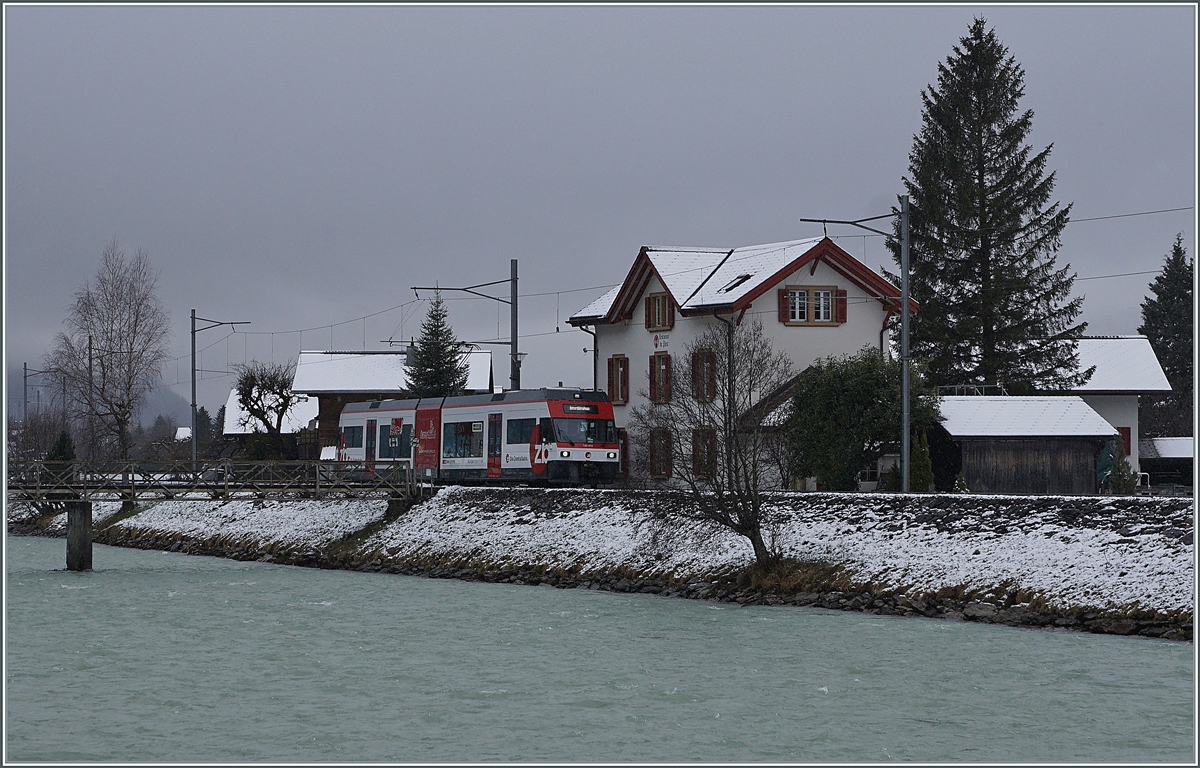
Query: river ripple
x=169 y=657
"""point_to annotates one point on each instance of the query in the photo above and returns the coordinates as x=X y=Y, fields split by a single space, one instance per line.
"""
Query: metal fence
x=49 y=481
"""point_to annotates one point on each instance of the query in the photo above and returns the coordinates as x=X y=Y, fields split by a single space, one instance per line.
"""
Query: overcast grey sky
x=303 y=166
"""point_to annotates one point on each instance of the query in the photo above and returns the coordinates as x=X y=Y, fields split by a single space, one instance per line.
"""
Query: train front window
x=585 y=431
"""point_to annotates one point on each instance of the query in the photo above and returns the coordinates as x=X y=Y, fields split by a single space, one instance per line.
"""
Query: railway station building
x=813 y=297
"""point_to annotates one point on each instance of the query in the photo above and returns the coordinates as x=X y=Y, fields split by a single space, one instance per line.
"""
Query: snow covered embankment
x=1106 y=553
x=1105 y=564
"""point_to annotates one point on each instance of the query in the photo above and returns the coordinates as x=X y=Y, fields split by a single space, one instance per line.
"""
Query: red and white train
x=559 y=435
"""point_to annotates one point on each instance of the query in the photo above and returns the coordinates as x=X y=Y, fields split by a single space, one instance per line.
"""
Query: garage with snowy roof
x=338 y=378
x=1020 y=445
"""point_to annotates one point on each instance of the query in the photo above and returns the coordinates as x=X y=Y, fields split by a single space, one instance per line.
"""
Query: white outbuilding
x=1125 y=367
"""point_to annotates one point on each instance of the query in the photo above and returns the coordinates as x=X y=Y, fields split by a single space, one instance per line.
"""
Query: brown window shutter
x=668 y=453
x=697 y=455
x=697 y=374
x=648 y=325
x=839 y=306
x=614 y=390
x=783 y=305
x=623 y=372
x=712 y=375
x=653 y=379
x=666 y=393
x=670 y=312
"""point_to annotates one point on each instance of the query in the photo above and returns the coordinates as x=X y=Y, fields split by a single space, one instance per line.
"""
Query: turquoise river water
x=168 y=657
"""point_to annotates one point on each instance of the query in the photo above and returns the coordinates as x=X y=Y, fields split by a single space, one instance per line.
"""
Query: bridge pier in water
x=79 y=535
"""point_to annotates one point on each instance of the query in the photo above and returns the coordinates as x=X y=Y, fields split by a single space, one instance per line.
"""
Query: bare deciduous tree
x=711 y=435
x=114 y=345
x=264 y=392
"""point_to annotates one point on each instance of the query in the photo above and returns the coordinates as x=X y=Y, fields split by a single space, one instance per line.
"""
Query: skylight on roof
x=734 y=283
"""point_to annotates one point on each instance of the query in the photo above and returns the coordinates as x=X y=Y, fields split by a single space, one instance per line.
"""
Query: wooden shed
x=1023 y=445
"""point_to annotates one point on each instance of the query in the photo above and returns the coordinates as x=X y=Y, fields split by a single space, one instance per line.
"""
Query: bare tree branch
x=118 y=318
x=722 y=451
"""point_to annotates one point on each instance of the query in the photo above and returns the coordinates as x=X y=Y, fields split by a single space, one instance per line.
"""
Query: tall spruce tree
x=1167 y=320
x=984 y=234
x=438 y=368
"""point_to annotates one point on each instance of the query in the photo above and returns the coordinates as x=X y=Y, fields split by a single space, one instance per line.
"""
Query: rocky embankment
x=1098 y=564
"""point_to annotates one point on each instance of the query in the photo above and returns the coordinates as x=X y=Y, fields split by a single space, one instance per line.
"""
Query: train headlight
x=565 y=454
x=612 y=454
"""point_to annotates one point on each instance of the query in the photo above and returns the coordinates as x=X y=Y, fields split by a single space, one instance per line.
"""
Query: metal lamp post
x=905 y=415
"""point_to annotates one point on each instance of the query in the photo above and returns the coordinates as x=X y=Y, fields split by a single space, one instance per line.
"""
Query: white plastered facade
x=804 y=344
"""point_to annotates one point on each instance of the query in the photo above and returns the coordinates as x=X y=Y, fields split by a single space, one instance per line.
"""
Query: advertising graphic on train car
x=427 y=438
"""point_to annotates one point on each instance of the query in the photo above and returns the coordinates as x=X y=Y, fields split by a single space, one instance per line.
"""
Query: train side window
x=519 y=431
x=405 y=442
x=462 y=440
x=353 y=436
x=395 y=446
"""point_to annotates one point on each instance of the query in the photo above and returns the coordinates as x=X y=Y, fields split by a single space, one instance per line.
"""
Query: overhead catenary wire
x=408 y=308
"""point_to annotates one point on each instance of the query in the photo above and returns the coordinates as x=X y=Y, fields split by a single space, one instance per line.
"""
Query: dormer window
x=660 y=312
x=734 y=283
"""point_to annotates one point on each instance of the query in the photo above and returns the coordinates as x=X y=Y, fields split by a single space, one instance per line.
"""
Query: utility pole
x=514 y=376
x=91 y=407
x=193 y=389
x=212 y=324
x=514 y=371
x=24 y=394
x=905 y=415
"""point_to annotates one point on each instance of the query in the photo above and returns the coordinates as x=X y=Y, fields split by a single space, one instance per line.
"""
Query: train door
x=539 y=445
x=495 y=443
x=369 y=444
x=429 y=429
x=495 y=440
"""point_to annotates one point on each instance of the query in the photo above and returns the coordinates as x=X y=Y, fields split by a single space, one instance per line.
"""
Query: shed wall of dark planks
x=1034 y=465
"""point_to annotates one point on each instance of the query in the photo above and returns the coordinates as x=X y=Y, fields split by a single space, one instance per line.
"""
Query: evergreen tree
x=63 y=448
x=1167 y=321
x=920 y=478
x=438 y=368
x=846 y=415
x=994 y=307
x=204 y=426
x=1122 y=480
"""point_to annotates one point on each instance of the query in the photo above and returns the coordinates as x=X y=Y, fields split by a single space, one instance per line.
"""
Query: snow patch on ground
x=1070 y=565
x=314 y=523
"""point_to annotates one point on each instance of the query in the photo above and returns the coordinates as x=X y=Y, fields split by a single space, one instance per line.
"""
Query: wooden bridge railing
x=223 y=479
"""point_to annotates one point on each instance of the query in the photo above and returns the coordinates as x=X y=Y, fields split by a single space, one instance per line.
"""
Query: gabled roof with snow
x=238 y=422
x=702 y=280
x=1166 y=448
x=1018 y=417
x=1123 y=364
x=372 y=373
